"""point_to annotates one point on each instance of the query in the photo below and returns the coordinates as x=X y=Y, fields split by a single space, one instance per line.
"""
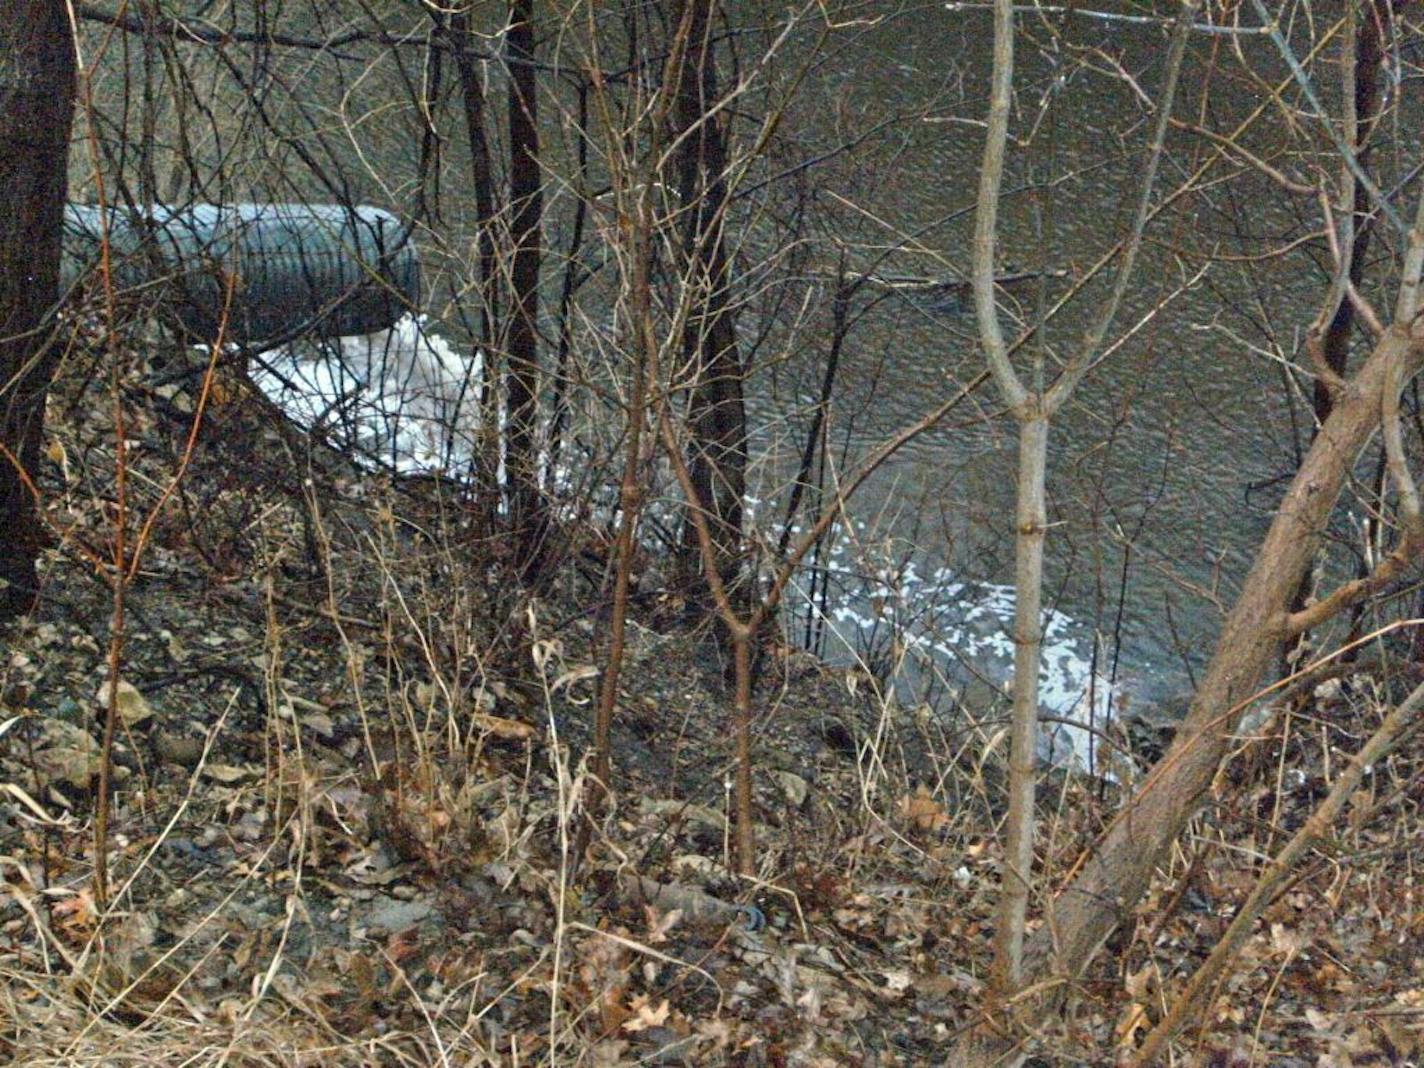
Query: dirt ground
x=349 y=768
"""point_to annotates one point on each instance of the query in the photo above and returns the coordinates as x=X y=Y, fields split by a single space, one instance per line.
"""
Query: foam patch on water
x=945 y=628
x=402 y=398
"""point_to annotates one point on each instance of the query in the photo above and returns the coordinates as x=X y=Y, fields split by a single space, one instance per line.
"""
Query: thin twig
x=1395 y=728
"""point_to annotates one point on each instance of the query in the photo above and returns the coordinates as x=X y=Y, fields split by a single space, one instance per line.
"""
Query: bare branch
x=1207 y=28
x=986 y=217
x=1395 y=456
x=1347 y=152
x=1400 y=722
x=1406 y=554
x=1084 y=357
x=1407 y=305
x=1236 y=150
x=201 y=33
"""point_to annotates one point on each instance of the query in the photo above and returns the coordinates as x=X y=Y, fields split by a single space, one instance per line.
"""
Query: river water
x=1167 y=463
x=1165 y=467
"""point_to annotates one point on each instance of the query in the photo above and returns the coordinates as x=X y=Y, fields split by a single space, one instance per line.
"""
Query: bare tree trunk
x=457 y=32
x=630 y=495
x=575 y=274
x=526 y=510
x=1362 y=71
x=1120 y=867
x=36 y=109
x=1034 y=406
x=717 y=452
x=1031 y=528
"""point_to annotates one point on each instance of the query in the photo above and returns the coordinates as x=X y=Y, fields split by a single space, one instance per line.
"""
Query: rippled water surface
x=1165 y=467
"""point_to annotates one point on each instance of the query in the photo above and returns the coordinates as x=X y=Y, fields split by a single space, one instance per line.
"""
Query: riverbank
x=405 y=401
x=346 y=770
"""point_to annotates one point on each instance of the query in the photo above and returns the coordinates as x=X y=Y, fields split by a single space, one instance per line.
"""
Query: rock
x=63 y=754
x=182 y=749
x=394 y=915
x=793 y=787
x=132 y=707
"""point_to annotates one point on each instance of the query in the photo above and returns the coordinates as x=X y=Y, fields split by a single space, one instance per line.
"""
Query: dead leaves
x=922 y=812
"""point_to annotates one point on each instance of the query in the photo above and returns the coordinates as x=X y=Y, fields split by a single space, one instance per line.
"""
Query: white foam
x=402 y=398
x=944 y=624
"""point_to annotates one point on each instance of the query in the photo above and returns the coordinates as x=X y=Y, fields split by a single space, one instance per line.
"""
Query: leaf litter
x=349 y=775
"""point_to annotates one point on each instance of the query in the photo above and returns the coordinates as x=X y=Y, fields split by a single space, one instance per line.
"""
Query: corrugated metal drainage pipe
x=321 y=269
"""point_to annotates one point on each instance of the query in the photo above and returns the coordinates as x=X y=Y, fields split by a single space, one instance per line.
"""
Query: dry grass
x=343 y=835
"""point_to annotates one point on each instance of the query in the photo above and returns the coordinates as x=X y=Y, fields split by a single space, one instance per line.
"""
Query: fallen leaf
x=645 y=1014
x=793 y=787
x=898 y=981
x=921 y=810
x=1132 y=1020
x=1137 y=983
x=59 y=456
x=574 y=675
x=511 y=730
x=660 y=923
x=227 y=774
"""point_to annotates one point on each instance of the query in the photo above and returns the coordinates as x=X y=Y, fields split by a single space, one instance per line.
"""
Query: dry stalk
x=1395 y=727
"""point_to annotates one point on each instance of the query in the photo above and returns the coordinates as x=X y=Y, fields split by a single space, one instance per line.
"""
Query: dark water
x=1166 y=465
